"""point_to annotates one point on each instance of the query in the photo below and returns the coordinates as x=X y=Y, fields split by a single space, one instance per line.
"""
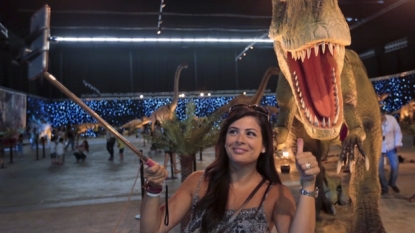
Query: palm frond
x=186 y=137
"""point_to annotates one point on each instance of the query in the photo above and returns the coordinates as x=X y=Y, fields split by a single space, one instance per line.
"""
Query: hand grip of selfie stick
x=107 y=126
x=150 y=162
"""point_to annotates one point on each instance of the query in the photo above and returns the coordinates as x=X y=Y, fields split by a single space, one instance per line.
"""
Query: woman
x=243 y=172
x=82 y=151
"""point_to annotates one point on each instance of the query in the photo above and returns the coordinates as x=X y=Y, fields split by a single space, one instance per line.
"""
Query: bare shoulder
x=280 y=193
x=192 y=180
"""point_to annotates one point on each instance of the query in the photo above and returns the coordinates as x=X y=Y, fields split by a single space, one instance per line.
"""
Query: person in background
x=173 y=162
x=121 y=146
x=240 y=191
x=62 y=134
x=96 y=131
x=60 y=151
x=391 y=142
x=82 y=151
x=52 y=150
x=71 y=138
x=20 y=146
x=110 y=144
x=34 y=139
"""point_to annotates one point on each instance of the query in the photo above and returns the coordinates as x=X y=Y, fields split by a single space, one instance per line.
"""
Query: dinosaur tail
x=367 y=206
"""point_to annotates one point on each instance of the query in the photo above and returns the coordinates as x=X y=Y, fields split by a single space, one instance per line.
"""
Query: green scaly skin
x=328 y=89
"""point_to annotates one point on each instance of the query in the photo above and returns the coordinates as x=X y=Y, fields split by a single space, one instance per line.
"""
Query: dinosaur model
x=43 y=128
x=135 y=124
x=243 y=99
x=79 y=129
x=166 y=112
x=406 y=112
x=381 y=98
x=273 y=111
x=322 y=87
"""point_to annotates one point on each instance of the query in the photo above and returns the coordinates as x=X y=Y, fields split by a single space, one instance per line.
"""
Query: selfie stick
x=107 y=126
x=36 y=55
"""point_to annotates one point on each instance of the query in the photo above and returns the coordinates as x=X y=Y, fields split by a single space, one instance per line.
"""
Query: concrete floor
x=102 y=196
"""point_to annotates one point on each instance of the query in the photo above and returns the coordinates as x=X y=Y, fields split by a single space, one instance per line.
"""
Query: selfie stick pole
x=107 y=126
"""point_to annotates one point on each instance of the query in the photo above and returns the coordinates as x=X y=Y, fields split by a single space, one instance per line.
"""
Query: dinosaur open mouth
x=316 y=82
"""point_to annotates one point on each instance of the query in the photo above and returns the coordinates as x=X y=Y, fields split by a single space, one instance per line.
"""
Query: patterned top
x=250 y=220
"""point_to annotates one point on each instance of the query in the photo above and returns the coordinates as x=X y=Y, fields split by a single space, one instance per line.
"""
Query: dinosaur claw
x=367 y=163
x=339 y=166
x=351 y=166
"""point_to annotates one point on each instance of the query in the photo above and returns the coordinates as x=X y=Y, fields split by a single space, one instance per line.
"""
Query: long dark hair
x=218 y=174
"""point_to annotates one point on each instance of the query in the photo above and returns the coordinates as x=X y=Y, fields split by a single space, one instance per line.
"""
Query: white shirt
x=53 y=147
x=391 y=131
x=109 y=135
x=60 y=148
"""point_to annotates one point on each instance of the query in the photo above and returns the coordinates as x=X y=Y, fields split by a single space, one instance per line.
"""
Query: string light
x=120 y=111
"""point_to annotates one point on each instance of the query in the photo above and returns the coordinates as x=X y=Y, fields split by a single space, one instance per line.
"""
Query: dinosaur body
x=135 y=124
x=79 y=129
x=43 y=128
x=322 y=87
x=166 y=112
x=243 y=99
x=406 y=112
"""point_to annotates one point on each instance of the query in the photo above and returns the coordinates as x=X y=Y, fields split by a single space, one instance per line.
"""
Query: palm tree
x=186 y=137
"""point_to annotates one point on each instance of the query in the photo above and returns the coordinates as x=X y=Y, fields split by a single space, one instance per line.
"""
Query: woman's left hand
x=306 y=164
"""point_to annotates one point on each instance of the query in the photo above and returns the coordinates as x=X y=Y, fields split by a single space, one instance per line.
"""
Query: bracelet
x=309 y=193
x=152 y=190
x=153 y=194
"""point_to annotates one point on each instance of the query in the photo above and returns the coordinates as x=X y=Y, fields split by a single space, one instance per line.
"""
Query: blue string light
x=121 y=111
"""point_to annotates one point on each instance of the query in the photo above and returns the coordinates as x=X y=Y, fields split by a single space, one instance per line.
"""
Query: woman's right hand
x=155 y=175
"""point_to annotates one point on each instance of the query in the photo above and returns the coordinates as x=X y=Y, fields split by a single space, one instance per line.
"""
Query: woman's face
x=244 y=141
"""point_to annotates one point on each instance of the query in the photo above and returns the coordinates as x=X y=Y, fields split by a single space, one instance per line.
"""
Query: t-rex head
x=309 y=40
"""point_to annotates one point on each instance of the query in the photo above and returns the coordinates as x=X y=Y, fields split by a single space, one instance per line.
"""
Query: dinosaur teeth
x=323 y=47
x=296 y=83
x=323 y=123
x=330 y=45
x=294 y=55
x=308 y=52
x=336 y=117
x=328 y=122
x=303 y=53
x=300 y=94
x=336 y=94
x=316 y=49
x=310 y=119
x=316 y=121
x=302 y=103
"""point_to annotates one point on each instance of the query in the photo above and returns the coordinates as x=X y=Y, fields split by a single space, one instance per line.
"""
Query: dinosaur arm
x=352 y=116
x=350 y=98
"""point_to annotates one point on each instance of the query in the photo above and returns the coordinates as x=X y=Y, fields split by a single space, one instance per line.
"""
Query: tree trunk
x=186 y=163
